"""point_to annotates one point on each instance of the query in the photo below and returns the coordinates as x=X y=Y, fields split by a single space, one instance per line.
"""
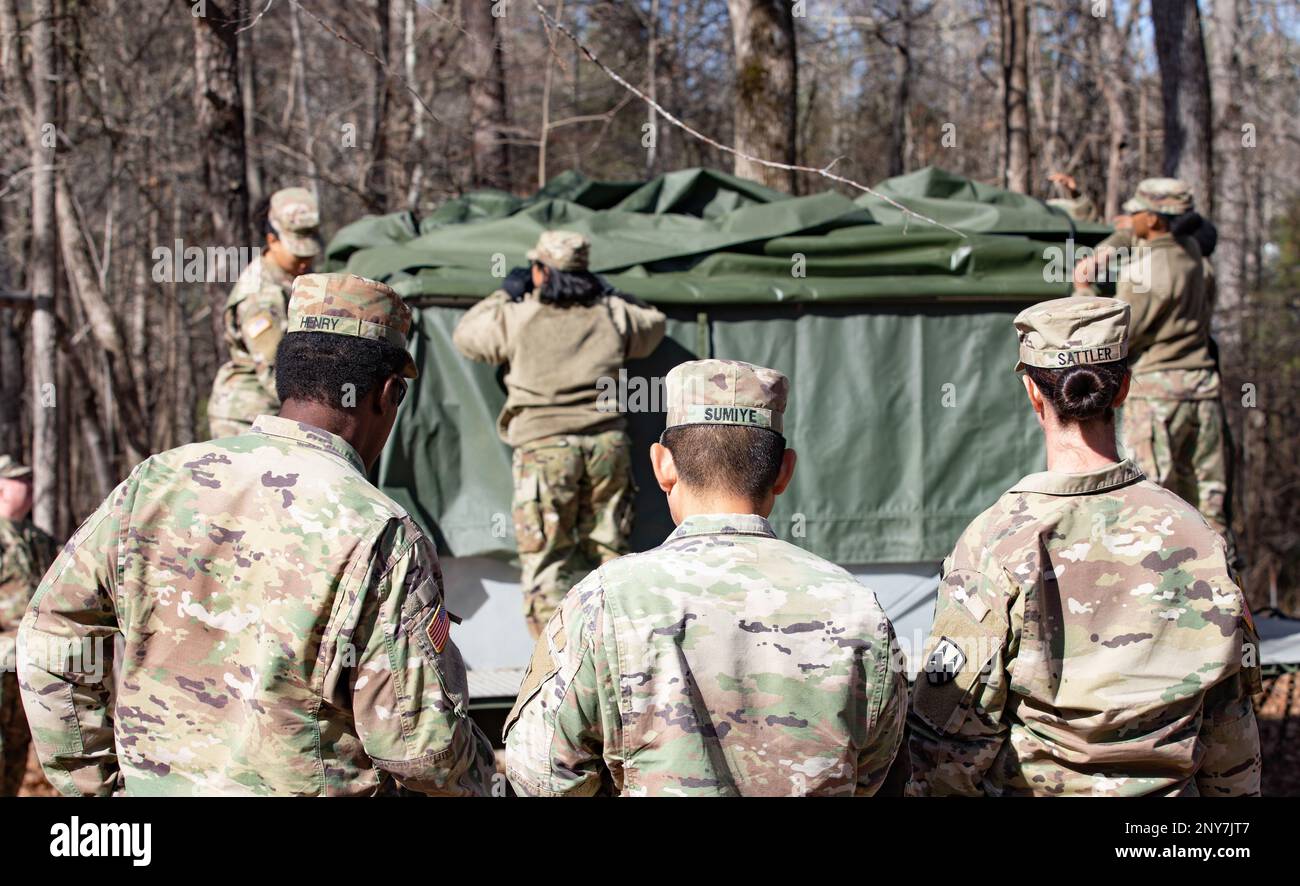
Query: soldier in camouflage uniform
x=725 y=661
x=1173 y=421
x=25 y=553
x=572 y=463
x=1088 y=637
x=282 y=621
x=255 y=312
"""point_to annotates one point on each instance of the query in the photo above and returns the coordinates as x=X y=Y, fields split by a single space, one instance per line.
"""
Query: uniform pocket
x=530 y=530
x=543 y=666
x=964 y=641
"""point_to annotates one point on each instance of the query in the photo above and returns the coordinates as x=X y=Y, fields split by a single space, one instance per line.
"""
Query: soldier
x=282 y=621
x=25 y=553
x=1173 y=422
x=560 y=331
x=724 y=661
x=255 y=312
x=1088 y=636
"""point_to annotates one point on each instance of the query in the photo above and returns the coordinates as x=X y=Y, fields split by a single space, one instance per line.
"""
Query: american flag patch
x=439 y=628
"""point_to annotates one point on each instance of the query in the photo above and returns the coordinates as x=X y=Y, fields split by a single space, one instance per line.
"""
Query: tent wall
x=909 y=422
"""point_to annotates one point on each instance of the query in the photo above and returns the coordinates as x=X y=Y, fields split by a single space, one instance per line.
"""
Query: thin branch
x=824 y=171
x=257 y=18
x=382 y=64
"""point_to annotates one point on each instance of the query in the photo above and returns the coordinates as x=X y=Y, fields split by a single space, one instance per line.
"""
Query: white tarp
x=485 y=593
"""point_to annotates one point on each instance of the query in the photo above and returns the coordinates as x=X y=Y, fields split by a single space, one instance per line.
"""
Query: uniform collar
x=723 y=524
x=310 y=436
x=1060 y=483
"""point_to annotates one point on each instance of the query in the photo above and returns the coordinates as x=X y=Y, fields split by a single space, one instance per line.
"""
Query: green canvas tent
x=896 y=335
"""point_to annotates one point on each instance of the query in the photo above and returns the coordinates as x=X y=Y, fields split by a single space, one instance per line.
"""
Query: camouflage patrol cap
x=726 y=392
x=12 y=469
x=345 y=304
x=295 y=219
x=1068 y=331
x=562 y=250
x=1167 y=196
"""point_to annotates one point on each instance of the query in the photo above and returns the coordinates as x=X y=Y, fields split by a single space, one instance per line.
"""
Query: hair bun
x=1084 y=393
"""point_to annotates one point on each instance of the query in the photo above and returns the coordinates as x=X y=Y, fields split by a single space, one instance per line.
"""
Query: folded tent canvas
x=896 y=335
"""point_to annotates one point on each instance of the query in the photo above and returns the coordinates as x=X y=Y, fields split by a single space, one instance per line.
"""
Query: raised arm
x=481 y=333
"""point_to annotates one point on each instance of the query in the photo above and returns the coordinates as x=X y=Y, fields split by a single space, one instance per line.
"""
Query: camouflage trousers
x=1179 y=442
x=14 y=736
x=572 y=512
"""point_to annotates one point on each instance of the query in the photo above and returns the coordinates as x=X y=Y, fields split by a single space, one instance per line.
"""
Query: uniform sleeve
x=406 y=680
x=65 y=651
x=957 y=725
x=17 y=575
x=888 y=721
x=1229 y=734
x=565 y=718
x=645 y=327
x=1148 y=297
x=262 y=322
x=481 y=333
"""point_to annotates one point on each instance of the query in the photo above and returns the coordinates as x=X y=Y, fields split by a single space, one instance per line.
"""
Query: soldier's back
x=745 y=665
x=240 y=560
x=1124 y=618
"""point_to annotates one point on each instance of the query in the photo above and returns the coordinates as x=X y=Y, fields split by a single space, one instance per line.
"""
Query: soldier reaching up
x=559 y=331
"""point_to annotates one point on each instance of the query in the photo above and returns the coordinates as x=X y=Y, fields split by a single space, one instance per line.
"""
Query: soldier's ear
x=1122 y=395
x=783 y=477
x=661 y=459
x=1035 y=395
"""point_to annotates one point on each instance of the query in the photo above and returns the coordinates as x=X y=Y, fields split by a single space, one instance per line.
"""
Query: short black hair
x=320 y=367
x=570 y=287
x=734 y=459
x=1083 y=392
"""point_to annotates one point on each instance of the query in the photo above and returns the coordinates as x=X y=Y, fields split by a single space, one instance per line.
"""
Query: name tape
x=729 y=415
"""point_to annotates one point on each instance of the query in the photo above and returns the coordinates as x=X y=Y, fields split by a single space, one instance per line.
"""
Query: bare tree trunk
x=299 y=95
x=767 y=88
x=652 y=89
x=376 y=185
x=1112 y=49
x=1014 y=33
x=1231 y=214
x=13 y=375
x=415 y=144
x=12 y=379
x=103 y=324
x=42 y=141
x=219 y=107
x=248 y=97
x=1185 y=90
x=484 y=65
x=184 y=419
x=900 y=134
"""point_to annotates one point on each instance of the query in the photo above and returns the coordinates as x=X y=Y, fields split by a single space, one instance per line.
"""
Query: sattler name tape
x=1057 y=359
